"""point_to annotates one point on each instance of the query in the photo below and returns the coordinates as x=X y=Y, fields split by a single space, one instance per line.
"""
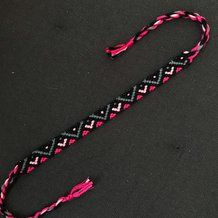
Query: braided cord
x=108 y=112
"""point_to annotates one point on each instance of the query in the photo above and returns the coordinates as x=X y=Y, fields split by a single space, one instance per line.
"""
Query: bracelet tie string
x=106 y=113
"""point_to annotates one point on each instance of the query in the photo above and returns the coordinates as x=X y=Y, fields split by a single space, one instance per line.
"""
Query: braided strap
x=108 y=112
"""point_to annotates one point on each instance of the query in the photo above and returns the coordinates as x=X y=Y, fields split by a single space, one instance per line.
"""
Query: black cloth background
x=159 y=159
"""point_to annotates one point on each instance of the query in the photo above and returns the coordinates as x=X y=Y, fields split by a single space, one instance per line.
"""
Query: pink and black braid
x=108 y=112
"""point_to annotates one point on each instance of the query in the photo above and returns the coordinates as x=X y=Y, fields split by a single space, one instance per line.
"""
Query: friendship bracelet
x=106 y=113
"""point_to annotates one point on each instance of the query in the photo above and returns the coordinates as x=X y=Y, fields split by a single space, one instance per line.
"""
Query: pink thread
x=83 y=187
x=75 y=192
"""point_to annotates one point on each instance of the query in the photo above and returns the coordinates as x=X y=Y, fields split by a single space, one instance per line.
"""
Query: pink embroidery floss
x=108 y=112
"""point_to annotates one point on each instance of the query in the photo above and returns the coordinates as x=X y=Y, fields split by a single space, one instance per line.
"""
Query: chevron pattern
x=110 y=111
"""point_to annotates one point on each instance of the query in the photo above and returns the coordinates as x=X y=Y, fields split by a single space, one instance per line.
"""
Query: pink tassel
x=75 y=192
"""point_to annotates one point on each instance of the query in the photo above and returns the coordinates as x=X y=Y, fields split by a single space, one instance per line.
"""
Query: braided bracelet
x=108 y=112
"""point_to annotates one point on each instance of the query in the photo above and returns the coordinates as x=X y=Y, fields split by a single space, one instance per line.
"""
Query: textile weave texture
x=109 y=111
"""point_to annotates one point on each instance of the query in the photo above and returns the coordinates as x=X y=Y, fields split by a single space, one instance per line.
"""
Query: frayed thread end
x=75 y=192
x=116 y=50
x=79 y=190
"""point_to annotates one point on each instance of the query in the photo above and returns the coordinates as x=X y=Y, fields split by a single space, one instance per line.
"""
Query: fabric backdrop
x=158 y=159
